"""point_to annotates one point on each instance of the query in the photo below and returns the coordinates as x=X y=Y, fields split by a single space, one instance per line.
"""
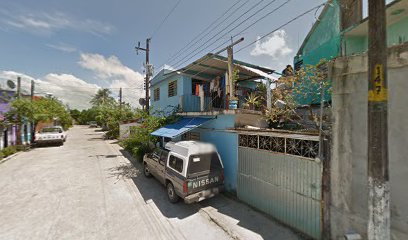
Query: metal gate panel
x=285 y=186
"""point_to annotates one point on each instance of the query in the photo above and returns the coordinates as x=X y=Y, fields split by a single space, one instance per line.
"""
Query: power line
x=266 y=15
x=181 y=62
x=197 y=37
x=219 y=32
x=246 y=46
x=281 y=26
x=164 y=20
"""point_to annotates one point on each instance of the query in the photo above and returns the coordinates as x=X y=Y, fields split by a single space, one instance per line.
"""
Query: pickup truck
x=50 y=135
x=189 y=170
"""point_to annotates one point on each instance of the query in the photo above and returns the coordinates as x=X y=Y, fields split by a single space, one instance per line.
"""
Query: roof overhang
x=180 y=127
x=211 y=66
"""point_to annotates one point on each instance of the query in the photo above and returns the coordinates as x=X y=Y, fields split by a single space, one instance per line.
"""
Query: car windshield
x=51 y=130
x=204 y=163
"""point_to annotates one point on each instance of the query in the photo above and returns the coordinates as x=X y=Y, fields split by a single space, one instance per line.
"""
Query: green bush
x=10 y=150
x=140 y=141
x=1 y=155
x=22 y=148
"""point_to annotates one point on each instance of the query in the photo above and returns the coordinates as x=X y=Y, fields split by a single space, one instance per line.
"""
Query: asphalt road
x=88 y=189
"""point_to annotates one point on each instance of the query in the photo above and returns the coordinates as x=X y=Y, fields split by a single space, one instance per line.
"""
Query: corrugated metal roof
x=212 y=65
x=182 y=126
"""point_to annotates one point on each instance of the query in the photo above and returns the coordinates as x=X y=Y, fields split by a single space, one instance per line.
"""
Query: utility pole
x=32 y=122
x=378 y=173
x=32 y=90
x=19 y=120
x=148 y=69
x=230 y=85
x=120 y=98
x=18 y=87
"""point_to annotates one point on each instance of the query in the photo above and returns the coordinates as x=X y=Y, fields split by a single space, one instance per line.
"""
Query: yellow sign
x=379 y=93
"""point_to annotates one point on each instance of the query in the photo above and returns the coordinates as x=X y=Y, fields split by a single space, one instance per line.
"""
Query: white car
x=49 y=135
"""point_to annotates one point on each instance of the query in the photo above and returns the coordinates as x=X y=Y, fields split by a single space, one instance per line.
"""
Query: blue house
x=198 y=93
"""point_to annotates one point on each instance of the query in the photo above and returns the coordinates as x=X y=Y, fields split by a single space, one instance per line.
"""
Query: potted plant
x=252 y=100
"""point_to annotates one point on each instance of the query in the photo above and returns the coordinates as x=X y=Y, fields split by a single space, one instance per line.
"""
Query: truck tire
x=146 y=171
x=171 y=193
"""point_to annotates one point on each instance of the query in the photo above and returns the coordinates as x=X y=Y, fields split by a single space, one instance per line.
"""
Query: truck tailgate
x=205 y=181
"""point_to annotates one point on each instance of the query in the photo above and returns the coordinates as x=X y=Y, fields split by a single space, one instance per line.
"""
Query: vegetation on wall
x=309 y=83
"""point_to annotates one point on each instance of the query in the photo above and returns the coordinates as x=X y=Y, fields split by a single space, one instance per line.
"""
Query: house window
x=195 y=136
x=156 y=96
x=176 y=163
x=172 y=88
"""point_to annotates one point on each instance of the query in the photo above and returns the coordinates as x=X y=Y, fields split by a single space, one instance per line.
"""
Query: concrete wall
x=349 y=152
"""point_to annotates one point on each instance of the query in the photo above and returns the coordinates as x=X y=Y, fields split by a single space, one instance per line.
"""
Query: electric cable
x=164 y=20
x=197 y=37
x=181 y=62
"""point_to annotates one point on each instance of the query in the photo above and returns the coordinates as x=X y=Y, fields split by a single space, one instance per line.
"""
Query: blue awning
x=182 y=126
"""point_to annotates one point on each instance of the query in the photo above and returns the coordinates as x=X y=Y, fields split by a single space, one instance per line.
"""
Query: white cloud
x=111 y=70
x=42 y=22
x=275 y=46
x=69 y=89
x=63 y=47
x=77 y=92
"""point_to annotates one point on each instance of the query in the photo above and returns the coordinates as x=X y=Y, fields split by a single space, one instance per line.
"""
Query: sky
x=73 y=48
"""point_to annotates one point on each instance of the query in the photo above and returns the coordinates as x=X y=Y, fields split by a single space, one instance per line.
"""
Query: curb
x=10 y=157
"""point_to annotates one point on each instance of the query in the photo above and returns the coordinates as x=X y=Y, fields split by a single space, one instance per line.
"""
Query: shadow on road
x=152 y=190
x=48 y=145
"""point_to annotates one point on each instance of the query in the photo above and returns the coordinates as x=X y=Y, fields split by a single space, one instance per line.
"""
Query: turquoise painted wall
x=214 y=132
x=323 y=43
x=397 y=33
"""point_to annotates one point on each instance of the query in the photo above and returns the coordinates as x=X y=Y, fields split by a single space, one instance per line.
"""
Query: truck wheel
x=146 y=171
x=173 y=198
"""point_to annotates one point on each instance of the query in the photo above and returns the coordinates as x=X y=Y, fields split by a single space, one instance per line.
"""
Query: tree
x=21 y=110
x=308 y=85
x=75 y=114
x=102 y=97
x=45 y=109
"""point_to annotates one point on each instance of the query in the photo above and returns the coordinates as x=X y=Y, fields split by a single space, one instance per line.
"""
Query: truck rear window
x=51 y=130
x=203 y=163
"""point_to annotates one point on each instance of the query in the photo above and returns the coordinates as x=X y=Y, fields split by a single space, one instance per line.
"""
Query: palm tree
x=102 y=97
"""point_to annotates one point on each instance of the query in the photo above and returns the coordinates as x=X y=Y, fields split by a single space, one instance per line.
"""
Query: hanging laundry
x=197 y=90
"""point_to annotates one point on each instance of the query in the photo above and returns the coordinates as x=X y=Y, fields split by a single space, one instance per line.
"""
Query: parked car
x=50 y=135
x=190 y=170
x=93 y=124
